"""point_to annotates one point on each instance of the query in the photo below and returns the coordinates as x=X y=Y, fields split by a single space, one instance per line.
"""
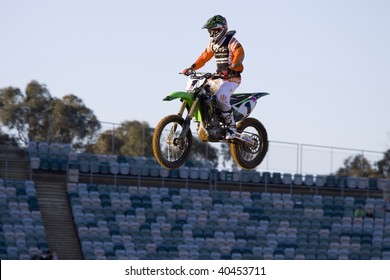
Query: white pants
x=223 y=95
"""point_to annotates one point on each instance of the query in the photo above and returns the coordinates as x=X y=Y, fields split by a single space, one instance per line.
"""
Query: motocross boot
x=231 y=132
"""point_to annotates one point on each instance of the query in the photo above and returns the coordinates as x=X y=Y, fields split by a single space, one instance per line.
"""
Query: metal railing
x=290 y=157
x=216 y=179
x=287 y=157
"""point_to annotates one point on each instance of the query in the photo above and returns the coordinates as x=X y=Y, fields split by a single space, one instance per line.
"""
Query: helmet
x=217 y=27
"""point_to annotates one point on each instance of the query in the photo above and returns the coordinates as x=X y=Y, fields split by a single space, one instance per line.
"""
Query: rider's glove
x=188 y=71
x=224 y=74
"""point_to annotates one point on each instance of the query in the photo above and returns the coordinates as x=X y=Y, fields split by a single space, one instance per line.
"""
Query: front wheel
x=169 y=149
x=244 y=154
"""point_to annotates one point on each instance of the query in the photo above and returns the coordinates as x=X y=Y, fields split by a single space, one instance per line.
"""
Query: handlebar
x=205 y=75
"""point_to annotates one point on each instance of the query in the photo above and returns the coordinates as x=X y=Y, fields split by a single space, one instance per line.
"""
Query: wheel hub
x=252 y=149
x=179 y=142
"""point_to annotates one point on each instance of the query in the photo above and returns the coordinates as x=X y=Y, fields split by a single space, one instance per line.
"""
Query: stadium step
x=57 y=218
x=13 y=164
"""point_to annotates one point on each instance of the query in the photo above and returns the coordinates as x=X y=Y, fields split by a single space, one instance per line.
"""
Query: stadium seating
x=22 y=232
x=139 y=222
x=167 y=223
x=59 y=157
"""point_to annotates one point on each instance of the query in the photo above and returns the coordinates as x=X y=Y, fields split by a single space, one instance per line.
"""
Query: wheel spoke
x=170 y=150
x=246 y=155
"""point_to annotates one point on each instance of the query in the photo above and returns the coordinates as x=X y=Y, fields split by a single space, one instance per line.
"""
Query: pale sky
x=326 y=64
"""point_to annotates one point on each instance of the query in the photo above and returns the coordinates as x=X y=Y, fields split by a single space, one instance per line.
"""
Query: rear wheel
x=168 y=149
x=244 y=154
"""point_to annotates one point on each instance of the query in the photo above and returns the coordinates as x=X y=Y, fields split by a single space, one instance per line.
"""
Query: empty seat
x=309 y=180
x=298 y=179
x=204 y=173
x=35 y=162
x=184 y=172
x=164 y=172
x=114 y=167
x=351 y=182
x=320 y=180
x=266 y=177
x=331 y=181
x=362 y=183
x=383 y=183
x=194 y=172
x=287 y=179
x=276 y=178
x=246 y=176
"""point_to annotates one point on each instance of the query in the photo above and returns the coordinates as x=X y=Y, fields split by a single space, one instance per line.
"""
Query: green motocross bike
x=172 y=138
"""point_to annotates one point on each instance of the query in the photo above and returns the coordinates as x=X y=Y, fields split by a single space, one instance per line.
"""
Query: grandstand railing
x=332 y=157
x=312 y=159
x=291 y=157
x=228 y=180
x=287 y=157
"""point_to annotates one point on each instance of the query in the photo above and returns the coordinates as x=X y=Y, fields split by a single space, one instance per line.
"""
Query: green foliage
x=384 y=165
x=12 y=111
x=7 y=140
x=226 y=156
x=134 y=138
x=202 y=150
x=36 y=118
x=40 y=117
x=357 y=166
x=137 y=138
x=81 y=123
x=106 y=143
x=131 y=138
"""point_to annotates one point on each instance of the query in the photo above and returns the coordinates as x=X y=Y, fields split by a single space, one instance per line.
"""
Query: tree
x=203 y=150
x=13 y=112
x=81 y=124
x=226 y=156
x=7 y=140
x=137 y=138
x=134 y=138
x=131 y=138
x=357 y=166
x=40 y=117
x=37 y=105
x=106 y=143
x=384 y=165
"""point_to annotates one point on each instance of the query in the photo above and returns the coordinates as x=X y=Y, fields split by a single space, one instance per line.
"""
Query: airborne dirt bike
x=172 y=138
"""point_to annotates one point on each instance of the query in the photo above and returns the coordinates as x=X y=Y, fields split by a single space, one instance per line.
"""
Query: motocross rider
x=229 y=55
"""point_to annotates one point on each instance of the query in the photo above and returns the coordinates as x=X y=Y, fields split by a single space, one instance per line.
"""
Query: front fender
x=180 y=95
x=188 y=97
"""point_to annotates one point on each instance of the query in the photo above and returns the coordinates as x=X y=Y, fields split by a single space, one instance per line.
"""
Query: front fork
x=179 y=141
x=187 y=120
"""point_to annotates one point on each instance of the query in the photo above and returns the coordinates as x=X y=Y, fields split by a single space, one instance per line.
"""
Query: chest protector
x=222 y=53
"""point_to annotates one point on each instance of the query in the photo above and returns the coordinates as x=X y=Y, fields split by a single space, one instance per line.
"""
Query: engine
x=210 y=129
x=213 y=132
x=216 y=134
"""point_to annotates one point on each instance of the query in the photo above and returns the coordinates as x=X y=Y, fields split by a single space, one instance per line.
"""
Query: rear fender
x=260 y=94
x=244 y=107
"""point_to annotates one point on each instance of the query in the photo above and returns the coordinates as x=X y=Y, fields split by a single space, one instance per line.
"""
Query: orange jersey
x=235 y=55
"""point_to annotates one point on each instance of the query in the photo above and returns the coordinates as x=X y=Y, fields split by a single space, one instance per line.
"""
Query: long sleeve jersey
x=229 y=55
